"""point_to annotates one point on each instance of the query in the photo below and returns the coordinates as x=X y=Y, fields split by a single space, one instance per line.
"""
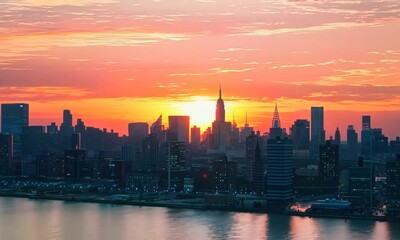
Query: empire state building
x=221 y=130
x=220 y=110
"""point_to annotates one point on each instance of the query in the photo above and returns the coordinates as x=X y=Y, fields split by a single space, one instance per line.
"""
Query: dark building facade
x=317 y=130
x=329 y=164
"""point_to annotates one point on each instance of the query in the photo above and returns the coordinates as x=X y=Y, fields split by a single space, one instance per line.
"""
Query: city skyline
x=138 y=59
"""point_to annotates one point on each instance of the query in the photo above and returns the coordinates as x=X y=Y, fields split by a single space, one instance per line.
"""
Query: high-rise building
x=352 y=143
x=150 y=151
x=276 y=130
x=301 y=135
x=366 y=122
x=221 y=130
x=179 y=125
x=279 y=176
x=33 y=140
x=6 y=153
x=14 y=116
x=66 y=128
x=225 y=174
x=74 y=164
x=80 y=126
x=337 y=137
x=393 y=187
x=220 y=109
x=245 y=131
x=329 y=164
x=317 y=130
x=157 y=127
x=138 y=131
x=258 y=170
x=251 y=143
x=195 y=136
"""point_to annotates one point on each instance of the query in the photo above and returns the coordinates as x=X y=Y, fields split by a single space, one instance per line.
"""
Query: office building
x=300 y=133
x=279 y=172
x=137 y=131
x=225 y=174
x=179 y=126
x=329 y=164
x=352 y=143
x=6 y=153
x=14 y=116
x=317 y=130
x=195 y=136
x=66 y=127
x=393 y=187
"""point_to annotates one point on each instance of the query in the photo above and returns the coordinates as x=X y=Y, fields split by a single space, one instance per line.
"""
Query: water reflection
x=53 y=220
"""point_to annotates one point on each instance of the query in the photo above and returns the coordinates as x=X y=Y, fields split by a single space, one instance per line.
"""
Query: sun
x=200 y=109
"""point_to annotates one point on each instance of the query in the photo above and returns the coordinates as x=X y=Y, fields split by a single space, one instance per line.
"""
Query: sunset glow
x=112 y=62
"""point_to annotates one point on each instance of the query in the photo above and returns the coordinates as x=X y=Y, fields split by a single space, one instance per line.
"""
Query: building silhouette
x=221 y=130
x=279 y=175
x=14 y=116
x=6 y=153
x=329 y=164
x=352 y=143
x=300 y=133
x=137 y=131
x=195 y=136
x=276 y=130
x=317 y=130
x=179 y=126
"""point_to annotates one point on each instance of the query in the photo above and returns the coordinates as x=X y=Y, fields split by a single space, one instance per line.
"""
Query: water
x=42 y=219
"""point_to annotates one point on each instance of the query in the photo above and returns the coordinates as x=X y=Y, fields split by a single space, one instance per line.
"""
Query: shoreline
x=179 y=205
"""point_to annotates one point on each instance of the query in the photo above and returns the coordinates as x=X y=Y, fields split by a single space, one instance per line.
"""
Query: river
x=26 y=219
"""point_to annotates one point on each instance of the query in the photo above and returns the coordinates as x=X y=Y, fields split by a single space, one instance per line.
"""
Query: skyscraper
x=6 y=153
x=276 y=130
x=14 y=116
x=66 y=126
x=220 y=109
x=329 y=164
x=221 y=130
x=337 y=137
x=366 y=138
x=279 y=176
x=138 y=131
x=179 y=125
x=245 y=131
x=195 y=136
x=317 y=130
x=301 y=135
x=352 y=143
x=156 y=127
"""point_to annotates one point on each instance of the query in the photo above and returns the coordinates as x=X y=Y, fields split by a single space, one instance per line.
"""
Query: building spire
x=276 y=122
x=220 y=91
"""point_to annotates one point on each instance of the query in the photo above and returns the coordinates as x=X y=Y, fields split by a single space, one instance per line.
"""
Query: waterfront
x=53 y=220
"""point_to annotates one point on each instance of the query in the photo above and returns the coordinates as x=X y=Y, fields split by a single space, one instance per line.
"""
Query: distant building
x=138 y=131
x=276 y=130
x=221 y=130
x=337 y=140
x=225 y=174
x=14 y=116
x=301 y=135
x=393 y=187
x=366 y=138
x=6 y=153
x=179 y=125
x=352 y=143
x=195 y=136
x=245 y=131
x=360 y=180
x=329 y=164
x=150 y=150
x=317 y=130
x=279 y=176
x=66 y=128
x=75 y=164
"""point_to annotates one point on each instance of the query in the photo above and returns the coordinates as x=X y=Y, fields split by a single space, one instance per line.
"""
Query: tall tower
x=276 y=122
x=317 y=130
x=220 y=110
x=276 y=130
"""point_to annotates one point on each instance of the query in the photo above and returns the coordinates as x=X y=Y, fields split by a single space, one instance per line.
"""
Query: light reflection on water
x=53 y=220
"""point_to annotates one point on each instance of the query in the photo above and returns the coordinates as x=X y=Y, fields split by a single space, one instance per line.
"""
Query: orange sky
x=118 y=61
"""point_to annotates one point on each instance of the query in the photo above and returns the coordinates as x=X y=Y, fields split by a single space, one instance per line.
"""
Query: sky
x=117 y=61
